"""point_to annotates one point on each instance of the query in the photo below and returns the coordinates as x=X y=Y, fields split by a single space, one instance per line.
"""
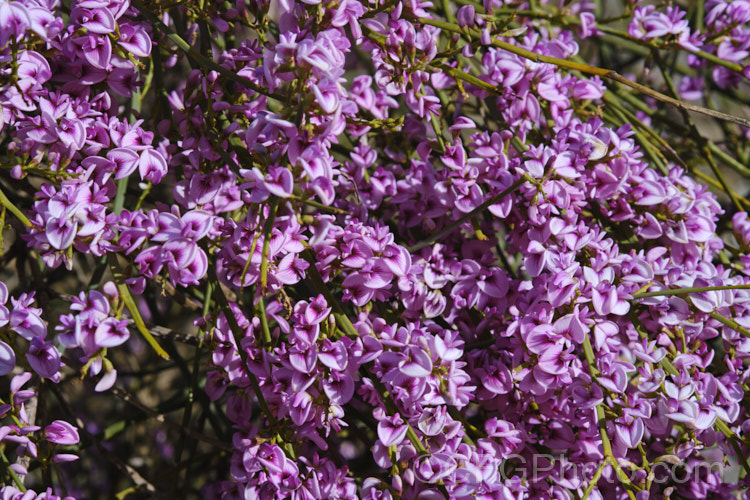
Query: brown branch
x=168 y=334
x=161 y=418
x=134 y=475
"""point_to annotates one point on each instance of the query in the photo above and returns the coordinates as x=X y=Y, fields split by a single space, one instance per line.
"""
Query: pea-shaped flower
x=61 y=432
x=392 y=430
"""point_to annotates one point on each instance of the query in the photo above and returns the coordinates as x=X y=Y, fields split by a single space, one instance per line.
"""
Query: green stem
x=730 y=323
x=685 y=291
x=338 y=312
x=267 y=227
x=602 y=424
x=122 y=187
x=468 y=78
x=697 y=136
x=11 y=472
x=728 y=159
x=143 y=195
x=221 y=299
x=594 y=480
x=5 y=202
x=447 y=10
x=266 y=331
x=438 y=132
x=741 y=457
x=567 y=21
x=319 y=205
x=127 y=298
x=700 y=11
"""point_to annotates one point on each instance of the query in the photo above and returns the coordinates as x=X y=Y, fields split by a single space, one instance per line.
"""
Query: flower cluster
x=93 y=330
x=31 y=440
x=24 y=321
x=411 y=254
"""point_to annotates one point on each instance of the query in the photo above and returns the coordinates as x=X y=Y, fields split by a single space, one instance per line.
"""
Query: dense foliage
x=374 y=249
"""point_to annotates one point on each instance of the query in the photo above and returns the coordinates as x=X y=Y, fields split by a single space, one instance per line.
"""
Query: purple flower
x=433 y=420
x=4 y=313
x=415 y=362
x=111 y=333
x=96 y=50
x=26 y=320
x=278 y=182
x=61 y=432
x=649 y=23
x=17 y=394
x=64 y=457
x=433 y=468
x=316 y=311
x=629 y=430
x=125 y=160
x=152 y=166
x=95 y=20
x=135 y=40
x=504 y=434
x=339 y=387
x=107 y=381
x=391 y=430
x=466 y=16
x=375 y=489
x=7 y=359
x=44 y=358
x=15 y=20
x=605 y=297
